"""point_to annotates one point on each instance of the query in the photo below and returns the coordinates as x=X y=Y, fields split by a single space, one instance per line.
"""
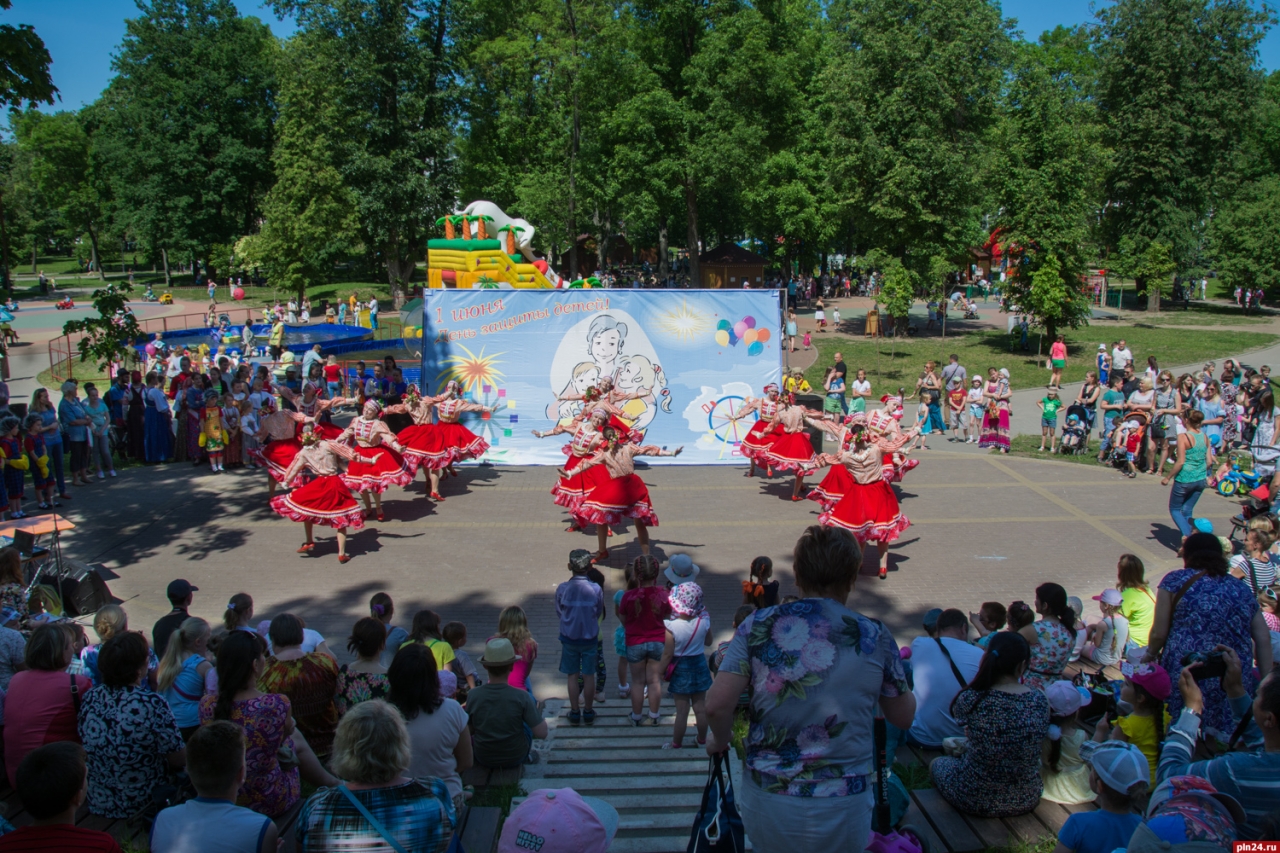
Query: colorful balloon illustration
x=722 y=337
x=755 y=349
x=762 y=335
x=751 y=336
x=744 y=330
x=749 y=321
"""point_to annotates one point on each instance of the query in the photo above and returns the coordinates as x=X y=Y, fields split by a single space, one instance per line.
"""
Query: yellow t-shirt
x=1139 y=608
x=440 y=650
x=1141 y=732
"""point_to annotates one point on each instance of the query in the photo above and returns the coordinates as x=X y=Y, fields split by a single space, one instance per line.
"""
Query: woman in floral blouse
x=366 y=678
x=818 y=671
x=309 y=679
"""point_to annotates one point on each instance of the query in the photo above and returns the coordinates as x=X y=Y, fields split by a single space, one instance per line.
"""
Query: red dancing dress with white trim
x=278 y=434
x=622 y=494
x=570 y=490
x=869 y=510
x=325 y=500
x=378 y=464
x=757 y=439
x=789 y=448
x=439 y=445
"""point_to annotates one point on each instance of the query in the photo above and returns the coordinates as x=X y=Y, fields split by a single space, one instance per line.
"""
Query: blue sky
x=82 y=34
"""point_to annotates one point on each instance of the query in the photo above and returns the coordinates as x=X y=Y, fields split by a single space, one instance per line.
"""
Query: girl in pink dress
x=278 y=441
x=437 y=446
x=757 y=438
x=622 y=495
x=571 y=489
x=325 y=500
x=378 y=464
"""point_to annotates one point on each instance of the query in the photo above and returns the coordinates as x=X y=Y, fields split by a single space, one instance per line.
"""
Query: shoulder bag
x=1177 y=596
x=955 y=670
x=670 y=672
x=718 y=826
x=373 y=821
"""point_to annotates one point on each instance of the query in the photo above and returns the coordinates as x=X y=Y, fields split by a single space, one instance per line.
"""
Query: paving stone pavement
x=984 y=527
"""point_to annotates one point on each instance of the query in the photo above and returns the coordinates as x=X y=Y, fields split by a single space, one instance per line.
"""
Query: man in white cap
x=559 y=821
x=681 y=569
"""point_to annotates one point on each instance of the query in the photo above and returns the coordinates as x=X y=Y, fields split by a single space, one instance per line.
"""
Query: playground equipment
x=485 y=249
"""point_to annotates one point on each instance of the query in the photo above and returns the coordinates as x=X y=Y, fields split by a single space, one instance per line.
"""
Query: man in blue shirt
x=116 y=395
x=579 y=604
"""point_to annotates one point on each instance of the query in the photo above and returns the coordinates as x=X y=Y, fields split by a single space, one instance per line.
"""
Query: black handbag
x=718 y=826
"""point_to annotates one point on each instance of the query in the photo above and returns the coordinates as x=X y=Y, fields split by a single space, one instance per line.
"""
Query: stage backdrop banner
x=691 y=356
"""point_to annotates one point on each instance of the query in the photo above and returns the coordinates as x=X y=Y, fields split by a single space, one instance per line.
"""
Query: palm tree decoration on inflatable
x=584 y=283
x=450 y=223
x=511 y=232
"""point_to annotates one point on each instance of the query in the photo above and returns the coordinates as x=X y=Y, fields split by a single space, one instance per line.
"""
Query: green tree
x=1245 y=237
x=24 y=65
x=1177 y=86
x=897 y=293
x=186 y=125
x=108 y=336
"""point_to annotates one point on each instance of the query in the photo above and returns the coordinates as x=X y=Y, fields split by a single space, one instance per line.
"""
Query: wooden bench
x=479 y=827
x=949 y=831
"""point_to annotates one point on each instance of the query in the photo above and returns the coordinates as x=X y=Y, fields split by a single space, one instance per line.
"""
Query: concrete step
x=647 y=753
x=638 y=769
x=631 y=785
x=618 y=742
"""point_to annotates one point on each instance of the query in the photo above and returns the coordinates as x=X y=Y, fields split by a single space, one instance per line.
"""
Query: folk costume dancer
x=757 y=438
x=838 y=481
x=605 y=396
x=571 y=489
x=313 y=405
x=437 y=446
x=623 y=495
x=869 y=510
x=278 y=441
x=325 y=500
x=788 y=447
x=378 y=463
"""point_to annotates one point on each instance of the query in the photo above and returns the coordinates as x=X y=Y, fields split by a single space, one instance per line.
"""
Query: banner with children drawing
x=683 y=363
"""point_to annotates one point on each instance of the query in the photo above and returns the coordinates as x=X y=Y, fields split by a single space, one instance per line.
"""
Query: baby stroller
x=1075 y=433
x=1128 y=441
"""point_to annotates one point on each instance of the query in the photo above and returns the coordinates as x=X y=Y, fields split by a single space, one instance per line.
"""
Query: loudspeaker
x=83 y=589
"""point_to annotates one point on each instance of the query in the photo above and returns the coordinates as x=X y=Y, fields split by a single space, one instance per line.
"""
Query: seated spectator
x=1187 y=813
x=371 y=754
x=930 y=622
x=111 y=621
x=51 y=782
x=1019 y=616
x=943 y=665
x=990 y=618
x=382 y=608
x=504 y=720
x=13 y=584
x=1081 y=629
x=1066 y=778
x=312 y=641
x=439 y=739
x=559 y=820
x=181 y=675
x=514 y=625
x=1118 y=774
x=239 y=613
x=455 y=634
x=1139 y=603
x=212 y=822
x=1006 y=723
x=1052 y=637
x=130 y=737
x=309 y=679
x=366 y=678
x=50 y=698
x=179 y=593
x=1249 y=777
x=1109 y=636
x=1257 y=565
x=270 y=787
x=426 y=632
x=12 y=647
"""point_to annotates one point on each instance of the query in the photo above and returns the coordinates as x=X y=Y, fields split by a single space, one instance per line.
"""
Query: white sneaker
x=101 y=476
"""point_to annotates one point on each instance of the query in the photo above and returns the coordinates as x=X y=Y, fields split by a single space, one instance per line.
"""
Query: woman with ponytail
x=180 y=677
x=239 y=613
x=1052 y=637
x=270 y=787
x=1006 y=723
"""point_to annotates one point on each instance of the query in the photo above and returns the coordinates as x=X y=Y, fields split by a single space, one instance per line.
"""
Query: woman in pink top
x=642 y=612
x=43 y=698
x=1057 y=360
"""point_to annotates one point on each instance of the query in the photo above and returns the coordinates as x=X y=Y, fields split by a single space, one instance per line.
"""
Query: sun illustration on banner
x=683 y=323
x=497 y=424
x=471 y=370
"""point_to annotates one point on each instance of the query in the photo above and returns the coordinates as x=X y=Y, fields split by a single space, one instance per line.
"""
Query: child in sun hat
x=1146 y=689
x=1118 y=774
x=1108 y=637
x=688 y=633
x=1066 y=778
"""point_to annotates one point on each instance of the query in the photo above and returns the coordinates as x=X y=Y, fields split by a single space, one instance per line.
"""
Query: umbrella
x=5 y=316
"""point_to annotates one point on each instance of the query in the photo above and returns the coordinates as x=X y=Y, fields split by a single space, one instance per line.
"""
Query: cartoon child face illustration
x=606 y=338
x=585 y=376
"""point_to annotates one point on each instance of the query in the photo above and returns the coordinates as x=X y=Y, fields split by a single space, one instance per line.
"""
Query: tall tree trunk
x=663 y=266
x=1153 y=297
x=399 y=274
x=95 y=258
x=35 y=246
x=4 y=244
x=168 y=276
x=691 y=213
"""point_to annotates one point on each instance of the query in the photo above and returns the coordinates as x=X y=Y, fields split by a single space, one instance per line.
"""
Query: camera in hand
x=1211 y=665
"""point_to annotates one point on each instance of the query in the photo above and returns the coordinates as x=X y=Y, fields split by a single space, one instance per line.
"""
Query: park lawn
x=891 y=363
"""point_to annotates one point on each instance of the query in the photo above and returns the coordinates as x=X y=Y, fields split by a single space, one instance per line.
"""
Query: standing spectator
x=1189 y=474
x=157 y=418
x=1049 y=405
x=942 y=665
x=50 y=698
x=790 y=328
x=803 y=789
x=835 y=401
x=579 y=604
x=377 y=805
x=180 y=594
x=366 y=678
x=1121 y=356
x=954 y=375
x=41 y=406
x=373 y=313
x=439 y=737
x=1057 y=360
x=129 y=733
x=688 y=634
x=860 y=391
x=309 y=679
x=99 y=415
x=310 y=357
x=275 y=340
x=504 y=720
x=52 y=783
x=1198 y=608
x=642 y=611
x=1103 y=363
x=1007 y=722
x=212 y=822
x=181 y=675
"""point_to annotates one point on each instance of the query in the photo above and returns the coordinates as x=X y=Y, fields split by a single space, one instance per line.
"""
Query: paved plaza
x=984 y=527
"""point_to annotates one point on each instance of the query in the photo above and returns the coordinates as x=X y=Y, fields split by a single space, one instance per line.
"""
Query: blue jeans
x=1182 y=503
x=335 y=389
x=373 y=321
x=578 y=657
x=56 y=462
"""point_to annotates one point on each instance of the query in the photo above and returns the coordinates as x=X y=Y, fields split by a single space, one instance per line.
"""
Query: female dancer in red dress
x=570 y=490
x=788 y=447
x=838 y=482
x=325 y=500
x=888 y=424
x=757 y=438
x=278 y=441
x=622 y=495
x=437 y=446
x=869 y=510
x=313 y=405
x=378 y=464
x=605 y=396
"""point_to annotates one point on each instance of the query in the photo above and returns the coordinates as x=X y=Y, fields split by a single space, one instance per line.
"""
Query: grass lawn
x=890 y=364
x=83 y=371
x=1200 y=314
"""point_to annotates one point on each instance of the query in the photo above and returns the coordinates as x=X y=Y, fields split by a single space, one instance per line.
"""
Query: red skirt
x=277 y=455
x=440 y=445
x=389 y=470
x=325 y=500
x=789 y=451
x=615 y=499
x=757 y=439
x=894 y=473
x=833 y=487
x=572 y=490
x=328 y=432
x=870 y=512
